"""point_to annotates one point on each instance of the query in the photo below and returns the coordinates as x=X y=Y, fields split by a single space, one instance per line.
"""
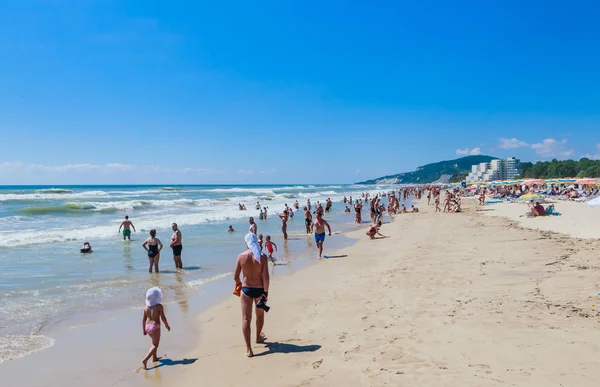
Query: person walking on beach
x=269 y=245
x=153 y=246
x=126 y=225
x=153 y=314
x=177 y=246
x=254 y=266
x=318 y=227
x=307 y=220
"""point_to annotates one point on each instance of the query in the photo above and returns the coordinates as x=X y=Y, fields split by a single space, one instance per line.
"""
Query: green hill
x=442 y=170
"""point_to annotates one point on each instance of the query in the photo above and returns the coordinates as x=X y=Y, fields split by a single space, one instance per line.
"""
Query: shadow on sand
x=169 y=362
x=277 y=347
x=335 y=256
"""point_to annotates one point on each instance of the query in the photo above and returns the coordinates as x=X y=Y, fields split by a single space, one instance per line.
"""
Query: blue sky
x=103 y=91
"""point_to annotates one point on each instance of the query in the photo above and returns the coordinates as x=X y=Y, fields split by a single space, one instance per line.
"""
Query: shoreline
x=115 y=327
x=472 y=299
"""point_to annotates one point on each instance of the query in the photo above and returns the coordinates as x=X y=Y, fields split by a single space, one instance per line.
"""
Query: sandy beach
x=447 y=300
x=461 y=299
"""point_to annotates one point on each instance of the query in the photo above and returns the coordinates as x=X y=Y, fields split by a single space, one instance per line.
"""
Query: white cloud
x=552 y=148
x=199 y=170
x=466 y=152
x=511 y=143
x=83 y=168
x=10 y=165
x=248 y=172
x=589 y=155
x=357 y=171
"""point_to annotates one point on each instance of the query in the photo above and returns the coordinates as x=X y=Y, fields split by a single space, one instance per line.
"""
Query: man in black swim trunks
x=307 y=220
x=254 y=266
x=177 y=246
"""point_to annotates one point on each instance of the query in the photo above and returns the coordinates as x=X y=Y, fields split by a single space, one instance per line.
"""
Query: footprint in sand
x=317 y=364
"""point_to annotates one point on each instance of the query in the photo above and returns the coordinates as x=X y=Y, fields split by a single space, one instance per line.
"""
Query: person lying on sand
x=414 y=209
x=374 y=230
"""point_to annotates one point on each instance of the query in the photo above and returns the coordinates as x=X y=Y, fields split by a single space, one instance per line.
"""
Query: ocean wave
x=46 y=210
x=171 y=188
x=54 y=190
x=260 y=191
x=16 y=346
x=47 y=196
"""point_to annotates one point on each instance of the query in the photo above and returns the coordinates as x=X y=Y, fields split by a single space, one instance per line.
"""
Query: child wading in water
x=153 y=313
x=269 y=245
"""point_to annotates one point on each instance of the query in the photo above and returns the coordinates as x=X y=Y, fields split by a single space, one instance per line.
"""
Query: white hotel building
x=506 y=169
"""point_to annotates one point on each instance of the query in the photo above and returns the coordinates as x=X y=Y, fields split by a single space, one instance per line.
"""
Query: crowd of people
x=251 y=274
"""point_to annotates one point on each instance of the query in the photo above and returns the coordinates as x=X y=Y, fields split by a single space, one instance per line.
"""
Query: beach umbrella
x=586 y=181
x=534 y=181
x=531 y=196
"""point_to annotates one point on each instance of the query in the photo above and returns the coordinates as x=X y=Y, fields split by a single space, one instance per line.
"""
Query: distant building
x=506 y=169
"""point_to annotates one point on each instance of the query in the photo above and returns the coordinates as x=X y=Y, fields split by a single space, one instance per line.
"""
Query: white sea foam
x=203 y=281
x=16 y=346
x=51 y=196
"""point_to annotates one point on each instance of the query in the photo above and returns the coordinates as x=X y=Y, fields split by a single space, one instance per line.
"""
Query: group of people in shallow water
x=152 y=245
x=251 y=274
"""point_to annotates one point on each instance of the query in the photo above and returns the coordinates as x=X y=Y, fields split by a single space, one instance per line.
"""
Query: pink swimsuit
x=152 y=326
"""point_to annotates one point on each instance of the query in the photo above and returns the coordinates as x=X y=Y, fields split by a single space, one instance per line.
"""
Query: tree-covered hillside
x=432 y=172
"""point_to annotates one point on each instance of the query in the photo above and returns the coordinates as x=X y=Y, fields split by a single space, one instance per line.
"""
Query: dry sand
x=447 y=300
x=577 y=219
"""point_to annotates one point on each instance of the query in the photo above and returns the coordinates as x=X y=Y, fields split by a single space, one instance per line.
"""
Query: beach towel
x=252 y=243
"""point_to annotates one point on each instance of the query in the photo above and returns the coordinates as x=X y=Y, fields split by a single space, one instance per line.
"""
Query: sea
x=47 y=286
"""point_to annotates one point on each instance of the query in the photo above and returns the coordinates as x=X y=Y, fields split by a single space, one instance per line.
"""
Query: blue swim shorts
x=320 y=237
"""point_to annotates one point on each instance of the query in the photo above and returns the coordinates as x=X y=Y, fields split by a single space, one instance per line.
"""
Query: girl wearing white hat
x=153 y=314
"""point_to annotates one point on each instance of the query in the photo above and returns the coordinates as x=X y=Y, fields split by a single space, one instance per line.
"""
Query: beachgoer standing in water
x=253 y=227
x=254 y=266
x=125 y=225
x=154 y=246
x=177 y=246
x=284 y=218
x=153 y=314
x=318 y=226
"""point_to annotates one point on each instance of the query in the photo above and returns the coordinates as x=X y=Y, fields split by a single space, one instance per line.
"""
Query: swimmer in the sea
x=87 y=248
x=230 y=229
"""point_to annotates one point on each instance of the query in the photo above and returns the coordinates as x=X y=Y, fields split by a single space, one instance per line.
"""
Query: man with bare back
x=253 y=264
x=126 y=225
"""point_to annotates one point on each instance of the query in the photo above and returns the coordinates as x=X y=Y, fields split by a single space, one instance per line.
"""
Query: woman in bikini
x=284 y=219
x=153 y=314
x=153 y=246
